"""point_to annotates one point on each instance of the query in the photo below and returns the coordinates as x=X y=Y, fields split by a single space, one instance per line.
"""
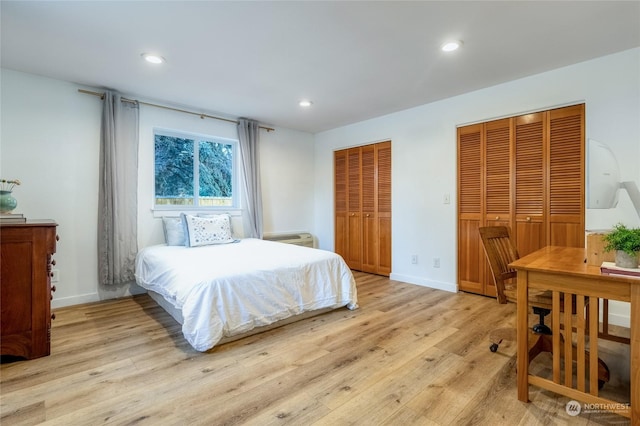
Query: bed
x=220 y=291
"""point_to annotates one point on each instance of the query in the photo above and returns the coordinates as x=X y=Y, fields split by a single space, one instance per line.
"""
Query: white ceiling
x=354 y=60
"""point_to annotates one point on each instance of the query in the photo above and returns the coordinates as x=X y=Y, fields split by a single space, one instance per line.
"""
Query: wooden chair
x=500 y=252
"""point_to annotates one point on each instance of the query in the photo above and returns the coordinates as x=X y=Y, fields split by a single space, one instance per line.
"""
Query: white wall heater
x=299 y=238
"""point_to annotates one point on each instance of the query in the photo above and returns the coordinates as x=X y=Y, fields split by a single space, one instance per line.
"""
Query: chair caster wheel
x=493 y=347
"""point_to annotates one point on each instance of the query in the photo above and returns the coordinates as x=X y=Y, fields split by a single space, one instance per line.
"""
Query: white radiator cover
x=297 y=238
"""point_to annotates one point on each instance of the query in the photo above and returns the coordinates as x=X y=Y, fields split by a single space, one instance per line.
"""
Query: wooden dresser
x=25 y=287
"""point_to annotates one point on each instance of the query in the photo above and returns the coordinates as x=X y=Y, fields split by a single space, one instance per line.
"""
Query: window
x=194 y=171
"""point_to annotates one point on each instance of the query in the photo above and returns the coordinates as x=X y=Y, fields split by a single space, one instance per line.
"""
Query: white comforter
x=224 y=290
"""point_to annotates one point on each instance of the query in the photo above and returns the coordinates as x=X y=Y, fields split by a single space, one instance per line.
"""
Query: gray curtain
x=118 y=191
x=248 y=137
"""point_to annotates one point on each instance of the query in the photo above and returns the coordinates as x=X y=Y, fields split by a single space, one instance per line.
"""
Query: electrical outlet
x=436 y=262
x=55 y=275
x=414 y=259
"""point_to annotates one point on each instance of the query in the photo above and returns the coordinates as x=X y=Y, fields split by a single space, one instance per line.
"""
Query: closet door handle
x=497 y=217
x=528 y=219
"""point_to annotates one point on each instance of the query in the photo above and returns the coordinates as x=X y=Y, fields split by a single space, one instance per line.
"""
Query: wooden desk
x=564 y=270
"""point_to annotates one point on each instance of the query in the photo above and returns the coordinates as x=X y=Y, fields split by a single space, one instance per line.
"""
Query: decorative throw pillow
x=174 y=231
x=220 y=214
x=203 y=231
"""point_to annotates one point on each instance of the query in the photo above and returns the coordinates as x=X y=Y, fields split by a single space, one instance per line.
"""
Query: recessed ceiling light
x=305 y=103
x=154 y=59
x=450 y=46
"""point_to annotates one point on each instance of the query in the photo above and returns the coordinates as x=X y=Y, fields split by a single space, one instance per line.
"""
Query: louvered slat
x=368 y=179
x=565 y=178
x=470 y=172
x=340 y=182
x=384 y=180
x=497 y=170
x=529 y=169
x=354 y=180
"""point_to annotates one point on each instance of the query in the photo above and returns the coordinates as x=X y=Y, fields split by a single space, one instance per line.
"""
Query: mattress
x=177 y=315
x=226 y=290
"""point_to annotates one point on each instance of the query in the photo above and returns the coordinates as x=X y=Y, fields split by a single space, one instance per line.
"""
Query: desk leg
x=635 y=354
x=522 y=322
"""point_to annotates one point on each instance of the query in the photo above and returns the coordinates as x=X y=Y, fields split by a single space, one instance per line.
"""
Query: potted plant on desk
x=626 y=243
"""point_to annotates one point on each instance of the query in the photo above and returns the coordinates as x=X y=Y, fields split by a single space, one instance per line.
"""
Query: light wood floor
x=409 y=356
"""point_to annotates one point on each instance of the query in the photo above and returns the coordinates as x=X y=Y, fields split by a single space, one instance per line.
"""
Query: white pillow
x=202 y=231
x=174 y=231
x=220 y=214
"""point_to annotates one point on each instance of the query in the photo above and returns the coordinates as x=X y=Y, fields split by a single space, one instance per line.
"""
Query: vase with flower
x=7 y=202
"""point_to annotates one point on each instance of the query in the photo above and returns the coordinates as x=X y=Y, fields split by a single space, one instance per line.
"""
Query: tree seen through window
x=193 y=171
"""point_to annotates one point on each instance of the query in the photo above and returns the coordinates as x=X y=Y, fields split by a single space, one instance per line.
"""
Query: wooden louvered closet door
x=363 y=207
x=353 y=256
x=369 y=210
x=530 y=179
x=526 y=172
x=566 y=222
x=340 y=201
x=470 y=183
x=497 y=172
x=383 y=198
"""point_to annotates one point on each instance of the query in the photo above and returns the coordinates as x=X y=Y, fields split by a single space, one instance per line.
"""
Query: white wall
x=50 y=140
x=424 y=155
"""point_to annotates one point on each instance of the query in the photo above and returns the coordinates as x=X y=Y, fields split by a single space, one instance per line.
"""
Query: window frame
x=197 y=138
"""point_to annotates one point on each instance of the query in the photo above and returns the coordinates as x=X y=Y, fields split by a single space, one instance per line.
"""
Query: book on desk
x=12 y=218
x=610 y=268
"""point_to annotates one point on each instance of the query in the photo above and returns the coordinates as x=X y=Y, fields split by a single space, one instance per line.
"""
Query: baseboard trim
x=129 y=290
x=61 y=302
x=438 y=285
x=619 y=320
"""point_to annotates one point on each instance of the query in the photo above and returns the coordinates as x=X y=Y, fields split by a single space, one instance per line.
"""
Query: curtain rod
x=202 y=116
